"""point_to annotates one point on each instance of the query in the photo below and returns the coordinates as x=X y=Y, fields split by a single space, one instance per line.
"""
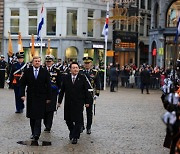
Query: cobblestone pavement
x=126 y=122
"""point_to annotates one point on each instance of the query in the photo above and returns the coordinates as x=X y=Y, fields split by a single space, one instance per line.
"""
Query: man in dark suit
x=74 y=85
x=37 y=80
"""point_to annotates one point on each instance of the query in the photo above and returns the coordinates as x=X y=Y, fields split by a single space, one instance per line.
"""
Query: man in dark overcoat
x=74 y=86
x=113 y=76
x=145 y=79
x=37 y=80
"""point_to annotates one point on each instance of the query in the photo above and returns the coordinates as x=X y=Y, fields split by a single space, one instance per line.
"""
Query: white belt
x=2 y=69
x=90 y=90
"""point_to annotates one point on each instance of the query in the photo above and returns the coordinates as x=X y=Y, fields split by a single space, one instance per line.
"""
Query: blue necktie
x=36 y=74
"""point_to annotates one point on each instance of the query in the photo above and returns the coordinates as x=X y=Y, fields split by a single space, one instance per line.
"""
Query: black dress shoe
x=70 y=136
x=32 y=137
x=47 y=130
x=18 y=112
x=74 y=141
x=88 y=131
x=81 y=129
x=36 y=137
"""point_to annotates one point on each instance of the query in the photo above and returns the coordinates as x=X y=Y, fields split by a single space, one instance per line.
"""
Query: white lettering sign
x=98 y=46
x=38 y=44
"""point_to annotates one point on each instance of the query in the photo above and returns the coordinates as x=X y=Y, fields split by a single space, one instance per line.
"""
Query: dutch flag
x=105 y=28
x=178 y=31
x=41 y=22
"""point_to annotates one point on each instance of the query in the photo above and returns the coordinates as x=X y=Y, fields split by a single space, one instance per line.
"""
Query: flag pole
x=105 y=52
x=41 y=48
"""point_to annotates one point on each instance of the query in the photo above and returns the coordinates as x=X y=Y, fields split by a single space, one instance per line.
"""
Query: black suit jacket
x=76 y=95
x=38 y=91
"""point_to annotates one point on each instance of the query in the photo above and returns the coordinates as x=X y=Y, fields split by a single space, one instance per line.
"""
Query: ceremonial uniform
x=55 y=79
x=15 y=76
x=92 y=77
x=3 y=65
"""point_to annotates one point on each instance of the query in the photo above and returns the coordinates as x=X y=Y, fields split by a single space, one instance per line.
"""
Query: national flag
x=177 y=31
x=20 y=45
x=105 y=28
x=10 y=48
x=48 y=51
x=32 y=45
x=41 y=22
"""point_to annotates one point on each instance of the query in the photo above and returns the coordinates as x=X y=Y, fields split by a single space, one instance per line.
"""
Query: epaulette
x=95 y=70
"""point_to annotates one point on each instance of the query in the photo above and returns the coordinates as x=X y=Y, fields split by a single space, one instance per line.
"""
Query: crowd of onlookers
x=129 y=76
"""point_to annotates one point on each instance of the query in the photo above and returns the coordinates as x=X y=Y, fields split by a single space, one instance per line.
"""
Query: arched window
x=173 y=14
x=71 y=54
x=156 y=15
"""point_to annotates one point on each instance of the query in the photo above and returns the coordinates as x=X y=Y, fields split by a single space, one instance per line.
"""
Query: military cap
x=2 y=56
x=87 y=59
x=20 y=54
x=49 y=58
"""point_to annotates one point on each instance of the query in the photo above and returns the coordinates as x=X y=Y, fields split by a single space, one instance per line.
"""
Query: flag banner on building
x=10 y=48
x=32 y=46
x=20 y=45
x=105 y=28
x=48 y=51
x=154 y=52
x=177 y=31
x=40 y=25
x=161 y=51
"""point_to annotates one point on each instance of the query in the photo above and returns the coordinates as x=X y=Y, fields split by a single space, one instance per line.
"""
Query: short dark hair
x=74 y=63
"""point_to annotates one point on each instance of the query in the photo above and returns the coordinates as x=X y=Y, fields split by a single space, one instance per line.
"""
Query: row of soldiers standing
x=171 y=102
x=57 y=72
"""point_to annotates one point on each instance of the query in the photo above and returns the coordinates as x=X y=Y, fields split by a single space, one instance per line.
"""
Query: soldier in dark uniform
x=93 y=80
x=55 y=78
x=3 y=65
x=15 y=76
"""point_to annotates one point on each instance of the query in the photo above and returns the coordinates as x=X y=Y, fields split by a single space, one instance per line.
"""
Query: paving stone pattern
x=126 y=122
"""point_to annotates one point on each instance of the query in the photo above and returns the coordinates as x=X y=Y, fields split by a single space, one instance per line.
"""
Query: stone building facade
x=70 y=25
x=163 y=47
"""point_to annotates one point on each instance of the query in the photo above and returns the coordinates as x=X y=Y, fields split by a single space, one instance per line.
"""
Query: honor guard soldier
x=55 y=79
x=15 y=76
x=93 y=82
x=3 y=65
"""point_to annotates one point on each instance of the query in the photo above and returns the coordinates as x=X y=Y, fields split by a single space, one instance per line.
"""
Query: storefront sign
x=38 y=44
x=110 y=53
x=124 y=41
x=98 y=46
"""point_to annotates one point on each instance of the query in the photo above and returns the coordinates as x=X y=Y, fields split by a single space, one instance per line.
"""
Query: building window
x=72 y=22
x=32 y=22
x=142 y=25
x=14 y=22
x=90 y=23
x=142 y=4
x=173 y=14
x=149 y=4
x=51 y=22
x=103 y=16
x=148 y=25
